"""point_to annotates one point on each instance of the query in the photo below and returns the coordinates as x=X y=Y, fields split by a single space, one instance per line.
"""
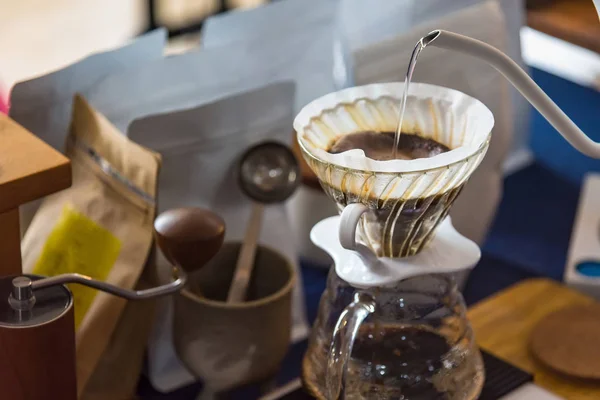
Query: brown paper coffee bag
x=101 y=227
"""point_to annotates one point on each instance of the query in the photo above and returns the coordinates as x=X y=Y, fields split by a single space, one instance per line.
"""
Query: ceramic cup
x=229 y=345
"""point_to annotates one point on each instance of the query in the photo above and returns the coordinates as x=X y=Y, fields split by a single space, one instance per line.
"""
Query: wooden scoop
x=190 y=236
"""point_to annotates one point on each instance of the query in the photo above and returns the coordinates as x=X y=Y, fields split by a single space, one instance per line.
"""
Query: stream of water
x=409 y=73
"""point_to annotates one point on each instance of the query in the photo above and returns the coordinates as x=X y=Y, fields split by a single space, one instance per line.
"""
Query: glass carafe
x=410 y=340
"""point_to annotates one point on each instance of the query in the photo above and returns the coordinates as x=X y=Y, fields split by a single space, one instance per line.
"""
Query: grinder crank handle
x=23 y=298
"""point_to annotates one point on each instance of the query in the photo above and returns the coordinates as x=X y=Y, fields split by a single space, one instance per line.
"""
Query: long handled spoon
x=268 y=173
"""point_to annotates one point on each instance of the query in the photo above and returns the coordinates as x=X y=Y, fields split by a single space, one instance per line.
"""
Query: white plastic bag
x=43 y=105
x=290 y=39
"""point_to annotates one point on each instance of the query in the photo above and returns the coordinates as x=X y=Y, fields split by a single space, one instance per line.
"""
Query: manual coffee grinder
x=391 y=322
x=37 y=330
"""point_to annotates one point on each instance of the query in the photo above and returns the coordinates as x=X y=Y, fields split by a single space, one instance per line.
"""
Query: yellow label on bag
x=78 y=244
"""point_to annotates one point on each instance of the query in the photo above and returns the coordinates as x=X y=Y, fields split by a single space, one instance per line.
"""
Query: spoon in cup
x=268 y=173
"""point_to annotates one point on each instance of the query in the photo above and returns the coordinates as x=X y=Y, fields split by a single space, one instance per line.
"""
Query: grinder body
x=37 y=346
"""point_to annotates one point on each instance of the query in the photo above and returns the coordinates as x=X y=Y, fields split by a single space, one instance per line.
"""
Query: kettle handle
x=344 y=335
x=521 y=81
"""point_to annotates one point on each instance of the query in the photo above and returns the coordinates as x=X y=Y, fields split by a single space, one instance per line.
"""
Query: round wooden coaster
x=567 y=341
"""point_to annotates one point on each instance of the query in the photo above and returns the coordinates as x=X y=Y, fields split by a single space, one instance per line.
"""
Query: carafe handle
x=344 y=335
x=348 y=223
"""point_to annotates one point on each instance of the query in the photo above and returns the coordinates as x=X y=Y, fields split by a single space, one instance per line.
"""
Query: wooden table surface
x=575 y=21
x=503 y=323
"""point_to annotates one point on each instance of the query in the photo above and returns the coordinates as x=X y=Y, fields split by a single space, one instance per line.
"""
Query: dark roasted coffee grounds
x=378 y=145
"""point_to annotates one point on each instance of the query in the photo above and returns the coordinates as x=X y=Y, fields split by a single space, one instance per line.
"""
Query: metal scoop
x=268 y=173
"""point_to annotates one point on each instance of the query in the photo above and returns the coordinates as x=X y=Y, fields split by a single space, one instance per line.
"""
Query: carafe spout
x=521 y=81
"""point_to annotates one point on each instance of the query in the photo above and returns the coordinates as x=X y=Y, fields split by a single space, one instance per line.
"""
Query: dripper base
x=448 y=252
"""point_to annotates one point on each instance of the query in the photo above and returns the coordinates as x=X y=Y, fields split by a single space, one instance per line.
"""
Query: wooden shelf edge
x=29 y=168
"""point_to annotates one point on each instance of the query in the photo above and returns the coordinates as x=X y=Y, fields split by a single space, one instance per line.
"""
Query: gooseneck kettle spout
x=521 y=81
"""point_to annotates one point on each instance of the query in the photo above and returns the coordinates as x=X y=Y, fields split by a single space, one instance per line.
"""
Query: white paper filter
x=447 y=116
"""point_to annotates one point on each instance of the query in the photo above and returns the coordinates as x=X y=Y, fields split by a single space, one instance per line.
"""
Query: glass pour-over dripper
x=407 y=198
